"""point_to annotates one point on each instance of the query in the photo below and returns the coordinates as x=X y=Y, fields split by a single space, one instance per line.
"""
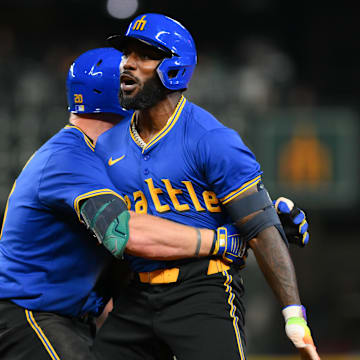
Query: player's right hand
x=299 y=333
x=228 y=244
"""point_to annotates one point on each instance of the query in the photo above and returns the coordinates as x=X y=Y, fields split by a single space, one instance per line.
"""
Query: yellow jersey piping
x=6 y=209
x=240 y=190
x=92 y=194
x=235 y=321
x=86 y=138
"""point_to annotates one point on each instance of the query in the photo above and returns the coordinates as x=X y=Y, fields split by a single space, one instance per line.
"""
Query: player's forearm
x=275 y=262
x=156 y=238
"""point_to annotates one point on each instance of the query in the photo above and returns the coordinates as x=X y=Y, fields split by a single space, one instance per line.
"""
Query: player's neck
x=151 y=121
x=93 y=125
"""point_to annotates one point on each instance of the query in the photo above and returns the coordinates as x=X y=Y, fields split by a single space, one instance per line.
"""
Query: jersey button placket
x=146 y=170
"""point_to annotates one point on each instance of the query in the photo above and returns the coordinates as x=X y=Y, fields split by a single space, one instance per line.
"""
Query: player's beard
x=152 y=92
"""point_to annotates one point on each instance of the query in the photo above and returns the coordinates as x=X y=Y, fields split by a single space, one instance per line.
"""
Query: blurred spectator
x=264 y=75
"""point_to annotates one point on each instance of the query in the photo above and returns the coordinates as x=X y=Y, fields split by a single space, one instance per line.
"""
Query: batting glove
x=228 y=244
x=298 y=332
x=293 y=221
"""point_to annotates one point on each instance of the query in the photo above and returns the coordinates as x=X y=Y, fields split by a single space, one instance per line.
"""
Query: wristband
x=198 y=244
x=213 y=244
x=294 y=310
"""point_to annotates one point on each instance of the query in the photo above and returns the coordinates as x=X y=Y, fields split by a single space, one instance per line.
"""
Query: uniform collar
x=169 y=125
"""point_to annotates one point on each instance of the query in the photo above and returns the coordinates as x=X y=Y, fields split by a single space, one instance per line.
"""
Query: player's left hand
x=299 y=333
x=293 y=221
x=228 y=244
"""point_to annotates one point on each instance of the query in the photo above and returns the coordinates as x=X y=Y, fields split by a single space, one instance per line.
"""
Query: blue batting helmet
x=93 y=82
x=169 y=35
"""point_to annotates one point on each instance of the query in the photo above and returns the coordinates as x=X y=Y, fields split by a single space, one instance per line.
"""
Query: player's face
x=140 y=86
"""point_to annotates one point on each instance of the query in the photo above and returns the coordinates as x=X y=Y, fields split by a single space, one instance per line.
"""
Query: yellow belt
x=167 y=276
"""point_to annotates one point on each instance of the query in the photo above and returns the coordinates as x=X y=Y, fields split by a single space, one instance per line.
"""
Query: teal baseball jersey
x=186 y=173
x=48 y=260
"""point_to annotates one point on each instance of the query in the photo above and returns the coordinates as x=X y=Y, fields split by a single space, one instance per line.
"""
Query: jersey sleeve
x=228 y=164
x=72 y=176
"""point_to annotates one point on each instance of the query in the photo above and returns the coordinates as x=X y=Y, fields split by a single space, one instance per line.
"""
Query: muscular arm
x=274 y=260
x=119 y=230
x=156 y=238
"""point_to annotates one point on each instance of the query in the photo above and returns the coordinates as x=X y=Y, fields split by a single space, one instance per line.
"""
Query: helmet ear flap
x=175 y=73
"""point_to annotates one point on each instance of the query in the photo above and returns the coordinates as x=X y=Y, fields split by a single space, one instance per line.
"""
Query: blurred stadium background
x=285 y=75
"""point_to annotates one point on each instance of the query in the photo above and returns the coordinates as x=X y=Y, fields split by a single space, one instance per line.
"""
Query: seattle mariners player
x=182 y=164
x=53 y=273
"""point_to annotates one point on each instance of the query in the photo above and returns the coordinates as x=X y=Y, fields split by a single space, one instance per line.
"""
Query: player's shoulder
x=113 y=137
x=69 y=145
x=110 y=138
x=119 y=128
x=70 y=151
x=202 y=127
x=201 y=119
x=69 y=139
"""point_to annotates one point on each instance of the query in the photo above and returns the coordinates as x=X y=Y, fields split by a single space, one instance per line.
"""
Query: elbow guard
x=260 y=200
x=107 y=217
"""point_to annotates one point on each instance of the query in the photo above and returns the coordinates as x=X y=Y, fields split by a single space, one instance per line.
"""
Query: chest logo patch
x=111 y=162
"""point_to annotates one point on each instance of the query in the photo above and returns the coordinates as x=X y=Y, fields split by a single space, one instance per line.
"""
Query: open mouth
x=127 y=83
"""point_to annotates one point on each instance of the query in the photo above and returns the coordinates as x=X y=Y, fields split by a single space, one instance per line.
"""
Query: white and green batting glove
x=298 y=332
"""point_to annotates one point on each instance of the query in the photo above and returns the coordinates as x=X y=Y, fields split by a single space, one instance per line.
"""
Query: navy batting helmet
x=93 y=82
x=169 y=35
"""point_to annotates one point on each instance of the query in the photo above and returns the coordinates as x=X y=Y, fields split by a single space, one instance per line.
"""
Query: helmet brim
x=118 y=42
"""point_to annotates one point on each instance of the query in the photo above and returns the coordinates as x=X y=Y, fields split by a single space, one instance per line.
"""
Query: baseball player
x=54 y=274
x=182 y=164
